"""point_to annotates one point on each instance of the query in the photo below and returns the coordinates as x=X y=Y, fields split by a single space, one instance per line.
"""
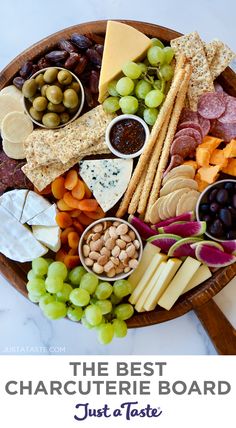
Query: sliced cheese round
x=155 y=211
x=174 y=199
x=187 y=202
x=178 y=183
x=12 y=150
x=16 y=127
x=182 y=170
x=8 y=104
x=13 y=91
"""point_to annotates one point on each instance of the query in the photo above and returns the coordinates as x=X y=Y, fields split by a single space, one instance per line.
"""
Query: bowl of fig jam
x=126 y=136
x=217 y=206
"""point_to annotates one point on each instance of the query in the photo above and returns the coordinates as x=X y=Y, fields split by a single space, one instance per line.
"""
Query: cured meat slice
x=184 y=146
x=11 y=176
x=193 y=125
x=191 y=133
x=205 y=125
x=229 y=115
x=225 y=131
x=175 y=160
x=188 y=116
x=211 y=105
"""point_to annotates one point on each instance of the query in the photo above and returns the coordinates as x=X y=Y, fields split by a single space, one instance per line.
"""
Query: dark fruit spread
x=127 y=136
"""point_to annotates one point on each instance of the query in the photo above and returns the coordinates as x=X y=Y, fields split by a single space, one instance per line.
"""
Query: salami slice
x=225 y=131
x=188 y=116
x=191 y=133
x=218 y=87
x=175 y=160
x=11 y=175
x=183 y=146
x=229 y=115
x=190 y=125
x=205 y=125
x=211 y=105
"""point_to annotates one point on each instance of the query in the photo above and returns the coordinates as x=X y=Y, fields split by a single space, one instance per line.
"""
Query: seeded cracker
x=201 y=79
x=222 y=58
x=210 y=50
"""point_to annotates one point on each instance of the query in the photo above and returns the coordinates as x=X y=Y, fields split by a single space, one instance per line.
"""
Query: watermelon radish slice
x=188 y=216
x=144 y=230
x=164 y=241
x=185 y=229
x=229 y=246
x=213 y=257
x=183 y=247
x=211 y=243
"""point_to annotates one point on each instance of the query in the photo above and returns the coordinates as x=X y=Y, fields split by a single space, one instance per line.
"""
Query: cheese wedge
x=122 y=43
x=202 y=274
x=156 y=261
x=45 y=218
x=179 y=283
x=34 y=205
x=49 y=236
x=13 y=201
x=149 y=287
x=163 y=281
x=148 y=252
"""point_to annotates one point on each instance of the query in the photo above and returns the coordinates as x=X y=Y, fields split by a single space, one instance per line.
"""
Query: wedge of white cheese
x=149 y=287
x=202 y=274
x=107 y=179
x=46 y=218
x=49 y=236
x=34 y=205
x=16 y=241
x=13 y=201
x=148 y=252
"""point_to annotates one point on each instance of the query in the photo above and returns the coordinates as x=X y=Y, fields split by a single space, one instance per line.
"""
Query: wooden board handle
x=221 y=332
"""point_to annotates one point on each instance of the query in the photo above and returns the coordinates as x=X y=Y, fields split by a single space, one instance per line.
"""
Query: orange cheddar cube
x=209 y=174
x=230 y=168
x=230 y=149
x=201 y=184
x=210 y=143
x=218 y=158
x=191 y=163
x=203 y=155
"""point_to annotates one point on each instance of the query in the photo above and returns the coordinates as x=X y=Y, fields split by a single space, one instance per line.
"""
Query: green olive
x=54 y=94
x=70 y=98
x=65 y=117
x=50 y=75
x=36 y=115
x=31 y=99
x=43 y=90
x=29 y=88
x=56 y=108
x=75 y=86
x=64 y=77
x=51 y=120
x=72 y=111
x=39 y=80
x=40 y=103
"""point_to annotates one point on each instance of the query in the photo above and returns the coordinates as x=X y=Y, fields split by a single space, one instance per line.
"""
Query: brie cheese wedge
x=13 y=201
x=49 y=236
x=34 y=205
x=46 y=218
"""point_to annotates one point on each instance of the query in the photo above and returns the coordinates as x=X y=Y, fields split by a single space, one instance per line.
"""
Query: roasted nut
x=88 y=262
x=108 y=266
x=116 y=223
x=98 y=228
x=123 y=256
x=133 y=263
x=102 y=260
x=115 y=261
x=119 y=269
x=98 y=268
x=110 y=243
x=96 y=245
x=86 y=250
x=130 y=250
x=121 y=243
x=111 y=273
x=96 y=236
x=127 y=269
x=94 y=255
x=122 y=229
x=132 y=235
x=135 y=256
x=116 y=251
x=126 y=238
x=112 y=232
x=136 y=244
x=106 y=235
x=105 y=252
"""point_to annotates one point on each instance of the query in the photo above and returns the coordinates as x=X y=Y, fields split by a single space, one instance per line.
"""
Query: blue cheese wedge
x=107 y=179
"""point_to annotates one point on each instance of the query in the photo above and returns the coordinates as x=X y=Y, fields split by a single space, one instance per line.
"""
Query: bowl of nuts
x=53 y=97
x=111 y=248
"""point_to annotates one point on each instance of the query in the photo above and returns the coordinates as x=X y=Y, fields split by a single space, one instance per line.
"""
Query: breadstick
x=180 y=99
x=144 y=158
x=136 y=196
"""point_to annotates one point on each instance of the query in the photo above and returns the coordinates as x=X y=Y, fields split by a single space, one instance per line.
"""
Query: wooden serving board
x=200 y=300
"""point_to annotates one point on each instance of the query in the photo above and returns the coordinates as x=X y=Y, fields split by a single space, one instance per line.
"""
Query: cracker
x=222 y=58
x=145 y=156
x=210 y=50
x=168 y=140
x=12 y=150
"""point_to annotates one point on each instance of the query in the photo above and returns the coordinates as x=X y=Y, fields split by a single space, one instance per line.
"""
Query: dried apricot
x=62 y=206
x=78 y=191
x=58 y=187
x=79 y=227
x=88 y=205
x=70 y=201
x=63 y=220
x=88 y=192
x=83 y=219
x=65 y=233
x=95 y=215
x=61 y=254
x=75 y=213
x=71 y=261
x=71 y=179
x=73 y=240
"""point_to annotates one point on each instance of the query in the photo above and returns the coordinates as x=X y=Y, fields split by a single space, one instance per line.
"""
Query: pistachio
x=122 y=229
x=121 y=243
x=115 y=261
x=86 y=250
x=133 y=263
x=111 y=273
x=96 y=245
x=123 y=255
x=108 y=266
x=136 y=244
x=96 y=236
x=102 y=260
x=112 y=232
x=88 y=261
x=110 y=243
x=126 y=269
x=98 y=228
x=126 y=238
x=105 y=252
x=132 y=235
x=94 y=255
x=116 y=251
x=98 y=268
x=130 y=250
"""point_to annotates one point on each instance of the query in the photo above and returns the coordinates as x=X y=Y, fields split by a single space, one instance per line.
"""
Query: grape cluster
x=143 y=87
x=81 y=297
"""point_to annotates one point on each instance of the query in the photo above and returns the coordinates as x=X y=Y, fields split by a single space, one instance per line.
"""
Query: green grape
x=36 y=286
x=142 y=66
x=79 y=297
x=74 y=314
x=111 y=88
x=54 y=284
x=140 y=110
x=31 y=275
x=49 y=261
x=157 y=42
x=142 y=88
x=120 y=328
x=129 y=104
x=93 y=315
x=115 y=300
x=86 y=323
x=33 y=298
x=105 y=333
x=89 y=282
x=64 y=294
x=166 y=72
x=103 y=290
x=154 y=98
x=111 y=104
x=105 y=306
x=169 y=54
x=44 y=300
x=121 y=288
x=40 y=266
x=124 y=311
x=55 y=310
x=76 y=274
x=125 y=86
x=150 y=115
x=132 y=70
x=58 y=269
x=155 y=55
x=157 y=84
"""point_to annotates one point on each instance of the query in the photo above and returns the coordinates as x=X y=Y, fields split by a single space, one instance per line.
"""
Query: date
x=72 y=60
x=66 y=45
x=26 y=69
x=94 y=57
x=81 y=41
x=56 y=56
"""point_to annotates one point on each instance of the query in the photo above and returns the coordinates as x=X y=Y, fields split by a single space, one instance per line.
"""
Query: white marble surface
x=23 y=330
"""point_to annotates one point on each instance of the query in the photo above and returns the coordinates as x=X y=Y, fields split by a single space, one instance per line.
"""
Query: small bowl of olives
x=217 y=206
x=53 y=97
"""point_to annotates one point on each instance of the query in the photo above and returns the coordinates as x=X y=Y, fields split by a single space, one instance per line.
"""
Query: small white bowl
x=202 y=199
x=120 y=275
x=77 y=112
x=119 y=119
